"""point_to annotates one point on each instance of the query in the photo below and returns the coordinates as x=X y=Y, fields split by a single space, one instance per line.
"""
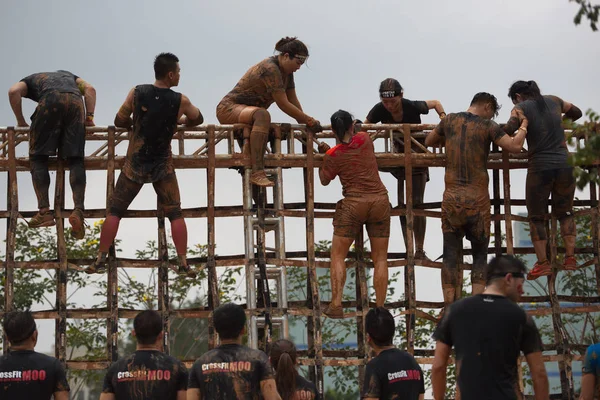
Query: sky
x=444 y=50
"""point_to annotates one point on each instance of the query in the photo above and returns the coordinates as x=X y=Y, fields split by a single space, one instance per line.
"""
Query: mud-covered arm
x=571 y=111
x=15 y=95
x=123 y=118
x=268 y=387
x=293 y=98
x=436 y=136
x=190 y=115
x=517 y=120
x=89 y=97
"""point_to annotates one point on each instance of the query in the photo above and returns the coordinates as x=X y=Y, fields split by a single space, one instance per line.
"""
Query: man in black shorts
x=156 y=112
x=394 y=108
x=24 y=373
x=232 y=371
x=488 y=332
x=58 y=123
x=393 y=373
x=148 y=373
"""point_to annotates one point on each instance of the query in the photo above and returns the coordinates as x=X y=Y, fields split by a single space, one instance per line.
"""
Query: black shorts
x=540 y=184
x=58 y=124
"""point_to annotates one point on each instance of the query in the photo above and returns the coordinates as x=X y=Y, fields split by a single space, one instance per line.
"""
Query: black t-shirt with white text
x=488 y=332
x=146 y=375
x=393 y=374
x=26 y=374
x=231 y=372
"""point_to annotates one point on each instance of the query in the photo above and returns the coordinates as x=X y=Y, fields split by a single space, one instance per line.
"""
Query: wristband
x=442 y=115
x=89 y=117
x=522 y=127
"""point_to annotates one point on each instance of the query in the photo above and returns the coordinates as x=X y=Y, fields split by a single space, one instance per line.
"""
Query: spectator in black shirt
x=488 y=331
x=148 y=373
x=393 y=373
x=395 y=109
x=232 y=371
x=24 y=373
x=290 y=384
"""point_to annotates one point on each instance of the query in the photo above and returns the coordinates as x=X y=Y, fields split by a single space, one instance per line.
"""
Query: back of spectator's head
x=229 y=320
x=19 y=326
x=147 y=326
x=380 y=326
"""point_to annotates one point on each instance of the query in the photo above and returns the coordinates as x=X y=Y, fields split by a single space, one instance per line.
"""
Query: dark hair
x=390 y=87
x=19 y=326
x=283 y=358
x=147 y=326
x=165 y=63
x=499 y=266
x=341 y=121
x=528 y=90
x=291 y=46
x=483 y=98
x=229 y=320
x=380 y=325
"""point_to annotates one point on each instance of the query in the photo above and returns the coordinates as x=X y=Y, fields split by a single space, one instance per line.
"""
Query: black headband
x=388 y=94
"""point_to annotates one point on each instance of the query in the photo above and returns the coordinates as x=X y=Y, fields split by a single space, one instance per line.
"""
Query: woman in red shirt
x=365 y=202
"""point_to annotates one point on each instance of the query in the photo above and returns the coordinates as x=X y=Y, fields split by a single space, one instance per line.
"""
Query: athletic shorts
x=167 y=190
x=231 y=113
x=351 y=213
x=466 y=220
x=540 y=184
x=58 y=124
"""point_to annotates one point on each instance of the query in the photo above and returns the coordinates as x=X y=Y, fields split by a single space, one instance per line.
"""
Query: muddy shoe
x=334 y=312
x=539 y=269
x=259 y=178
x=41 y=220
x=185 y=270
x=570 y=264
x=98 y=267
x=77 y=224
x=420 y=255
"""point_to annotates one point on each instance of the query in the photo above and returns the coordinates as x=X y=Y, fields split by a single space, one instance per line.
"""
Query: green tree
x=589 y=11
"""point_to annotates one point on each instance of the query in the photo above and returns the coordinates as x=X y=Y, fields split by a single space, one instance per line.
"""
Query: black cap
x=389 y=88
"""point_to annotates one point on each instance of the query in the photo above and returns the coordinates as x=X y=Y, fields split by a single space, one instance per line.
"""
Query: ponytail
x=341 y=121
x=283 y=358
x=528 y=90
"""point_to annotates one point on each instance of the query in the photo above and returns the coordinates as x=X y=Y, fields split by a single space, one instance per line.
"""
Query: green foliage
x=586 y=156
x=589 y=11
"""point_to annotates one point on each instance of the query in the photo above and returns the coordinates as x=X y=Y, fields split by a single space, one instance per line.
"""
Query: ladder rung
x=260 y=321
x=268 y=220
x=272 y=273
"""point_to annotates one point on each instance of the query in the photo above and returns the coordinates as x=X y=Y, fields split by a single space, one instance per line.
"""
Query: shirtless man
x=156 y=111
x=58 y=123
x=271 y=80
x=394 y=108
x=466 y=202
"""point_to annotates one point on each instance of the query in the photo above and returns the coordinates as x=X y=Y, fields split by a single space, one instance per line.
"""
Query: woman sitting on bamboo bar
x=271 y=80
x=365 y=202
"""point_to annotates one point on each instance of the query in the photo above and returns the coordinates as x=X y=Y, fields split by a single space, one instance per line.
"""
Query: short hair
x=229 y=320
x=500 y=266
x=19 y=326
x=380 y=325
x=483 y=98
x=147 y=326
x=165 y=63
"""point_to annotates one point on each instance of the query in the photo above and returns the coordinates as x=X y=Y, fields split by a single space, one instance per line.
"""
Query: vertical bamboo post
x=315 y=342
x=362 y=304
x=164 y=302
x=507 y=206
x=61 y=273
x=496 y=208
x=112 y=323
x=409 y=271
x=12 y=194
x=213 y=283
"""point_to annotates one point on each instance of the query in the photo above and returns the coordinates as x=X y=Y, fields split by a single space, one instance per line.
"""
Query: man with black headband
x=395 y=109
x=488 y=332
x=24 y=373
x=392 y=373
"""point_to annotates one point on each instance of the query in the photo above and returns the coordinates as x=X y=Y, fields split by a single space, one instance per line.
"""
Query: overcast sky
x=445 y=50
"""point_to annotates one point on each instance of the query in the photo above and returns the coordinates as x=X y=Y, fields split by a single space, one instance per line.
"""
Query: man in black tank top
x=148 y=373
x=392 y=373
x=24 y=373
x=548 y=170
x=156 y=112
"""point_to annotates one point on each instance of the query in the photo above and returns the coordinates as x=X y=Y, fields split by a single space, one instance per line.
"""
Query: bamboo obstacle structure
x=300 y=153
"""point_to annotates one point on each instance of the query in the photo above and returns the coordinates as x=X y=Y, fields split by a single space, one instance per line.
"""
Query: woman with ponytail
x=269 y=81
x=548 y=171
x=290 y=384
x=365 y=202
